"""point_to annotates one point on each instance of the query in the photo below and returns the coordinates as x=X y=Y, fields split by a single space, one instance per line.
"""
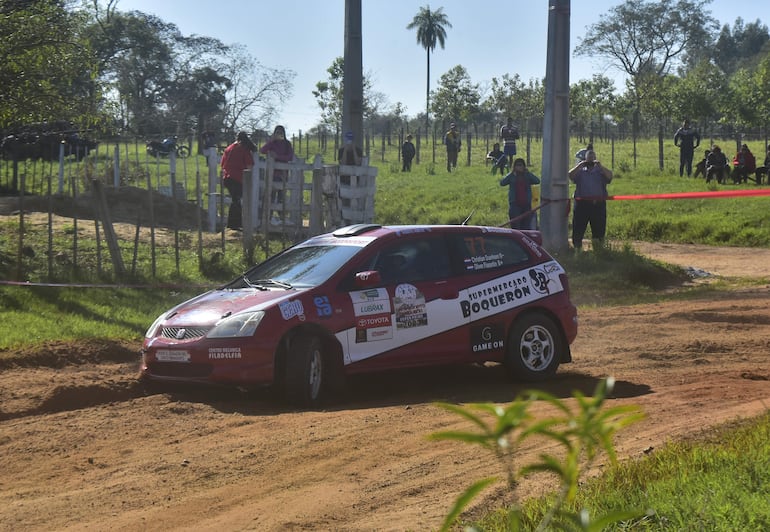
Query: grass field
x=30 y=316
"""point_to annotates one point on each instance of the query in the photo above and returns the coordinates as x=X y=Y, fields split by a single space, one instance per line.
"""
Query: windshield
x=300 y=267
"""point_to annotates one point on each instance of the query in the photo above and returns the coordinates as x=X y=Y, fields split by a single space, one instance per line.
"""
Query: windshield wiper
x=252 y=285
x=261 y=283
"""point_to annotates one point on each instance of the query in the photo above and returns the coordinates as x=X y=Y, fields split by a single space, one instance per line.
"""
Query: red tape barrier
x=706 y=194
x=694 y=195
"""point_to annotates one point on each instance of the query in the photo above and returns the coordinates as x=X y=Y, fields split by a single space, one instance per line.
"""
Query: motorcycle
x=165 y=147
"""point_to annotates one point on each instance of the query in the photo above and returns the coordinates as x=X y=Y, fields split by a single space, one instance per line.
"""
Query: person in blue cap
x=349 y=153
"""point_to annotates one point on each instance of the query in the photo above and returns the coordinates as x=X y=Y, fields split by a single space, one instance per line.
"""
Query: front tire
x=306 y=372
x=535 y=345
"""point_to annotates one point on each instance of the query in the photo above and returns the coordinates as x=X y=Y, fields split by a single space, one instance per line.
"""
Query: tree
x=647 y=39
x=430 y=26
x=590 y=101
x=48 y=66
x=165 y=82
x=700 y=94
x=734 y=48
x=136 y=54
x=762 y=83
x=511 y=97
x=255 y=92
x=456 y=97
x=328 y=94
x=197 y=99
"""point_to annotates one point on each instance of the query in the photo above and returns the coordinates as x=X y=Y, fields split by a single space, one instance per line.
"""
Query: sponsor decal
x=531 y=244
x=322 y=306
x=218 y=353
x=290 y=309
x=487 y=337
x=495 y=230
x=511 y=291
x=379 y=320
x=372 y=301
x=374 y=334
x=483 y=262
x=539 y=280
x=412 y=230
x=374 y=327
x=409 y=306
x=357 y=241
x=169 y=355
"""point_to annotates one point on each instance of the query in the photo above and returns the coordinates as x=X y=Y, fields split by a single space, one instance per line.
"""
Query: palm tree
x=430 y=30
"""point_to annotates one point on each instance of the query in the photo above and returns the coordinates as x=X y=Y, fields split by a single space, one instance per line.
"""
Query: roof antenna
x=465 y=222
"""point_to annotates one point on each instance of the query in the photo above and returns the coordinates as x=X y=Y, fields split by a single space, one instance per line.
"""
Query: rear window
x=484 y=252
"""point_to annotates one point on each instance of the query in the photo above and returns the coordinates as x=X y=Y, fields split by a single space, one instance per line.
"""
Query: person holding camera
x=591 y=179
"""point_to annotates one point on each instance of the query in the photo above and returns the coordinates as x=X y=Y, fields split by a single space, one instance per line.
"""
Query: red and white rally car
x=368 y=298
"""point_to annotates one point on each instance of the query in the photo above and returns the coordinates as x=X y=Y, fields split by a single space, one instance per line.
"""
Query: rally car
x=368 y=298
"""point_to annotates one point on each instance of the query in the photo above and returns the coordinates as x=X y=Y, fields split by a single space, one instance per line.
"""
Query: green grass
x=31 y=316
x=715 y=483
x=719 y=481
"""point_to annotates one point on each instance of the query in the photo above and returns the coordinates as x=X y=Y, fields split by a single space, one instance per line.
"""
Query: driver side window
x=413 y=261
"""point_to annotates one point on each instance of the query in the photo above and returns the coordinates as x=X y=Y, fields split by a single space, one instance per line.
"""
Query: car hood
x=209 y=308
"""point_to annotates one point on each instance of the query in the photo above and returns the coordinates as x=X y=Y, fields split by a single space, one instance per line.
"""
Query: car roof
x=379 y=231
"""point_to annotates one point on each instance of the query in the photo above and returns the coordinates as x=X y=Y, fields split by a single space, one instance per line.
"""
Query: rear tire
x=306 y=372
x=183 y=151
x=535 y=347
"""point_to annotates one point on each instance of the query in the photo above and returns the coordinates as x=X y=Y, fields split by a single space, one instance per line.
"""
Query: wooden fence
x=284 y=201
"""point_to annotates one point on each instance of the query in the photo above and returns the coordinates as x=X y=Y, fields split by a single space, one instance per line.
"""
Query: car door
x=495 y=283
x=412 y=316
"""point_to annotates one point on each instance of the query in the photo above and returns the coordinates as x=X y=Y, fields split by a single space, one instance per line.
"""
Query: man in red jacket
x=237 y=159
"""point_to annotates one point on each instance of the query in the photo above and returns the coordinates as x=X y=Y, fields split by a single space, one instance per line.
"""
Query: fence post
x=249 y=209
x=116 y=166
x=61 y=169
x=356 y=190
x=468 y=146
x=317 y=197
x=212 y=162
x=109 y=231
x=267 y=201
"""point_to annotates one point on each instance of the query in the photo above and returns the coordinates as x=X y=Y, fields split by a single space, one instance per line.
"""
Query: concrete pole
x=353 y=75
x=555 y=181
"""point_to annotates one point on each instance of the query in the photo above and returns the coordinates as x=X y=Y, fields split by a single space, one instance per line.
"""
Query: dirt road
x=84 y=446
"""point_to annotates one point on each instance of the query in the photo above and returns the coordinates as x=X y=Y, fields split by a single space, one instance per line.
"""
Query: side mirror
x=368 y=279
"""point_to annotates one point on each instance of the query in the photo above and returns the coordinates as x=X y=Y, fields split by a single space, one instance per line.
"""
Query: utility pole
x=554 y=193
x=353 y=75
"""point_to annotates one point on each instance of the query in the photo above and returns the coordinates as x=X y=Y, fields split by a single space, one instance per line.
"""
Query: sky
x=488 y=38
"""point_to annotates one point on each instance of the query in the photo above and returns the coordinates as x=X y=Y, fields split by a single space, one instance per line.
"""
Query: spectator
x=700 y=168
x=498 y=158
x=236 y=161
x=520 y=181
x=687 y=139
x=581 y=154
x=453 y=144
x=278 y=146
x=280 y=149
x=763 y=170
x=510 y=134
x=591 y=179
x=407 y=154
x=744 y=163
x=349 y=153
x=716 y=165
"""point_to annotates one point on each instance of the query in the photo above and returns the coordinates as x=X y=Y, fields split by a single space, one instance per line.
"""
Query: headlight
x=237 y=326
x=154 y=327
